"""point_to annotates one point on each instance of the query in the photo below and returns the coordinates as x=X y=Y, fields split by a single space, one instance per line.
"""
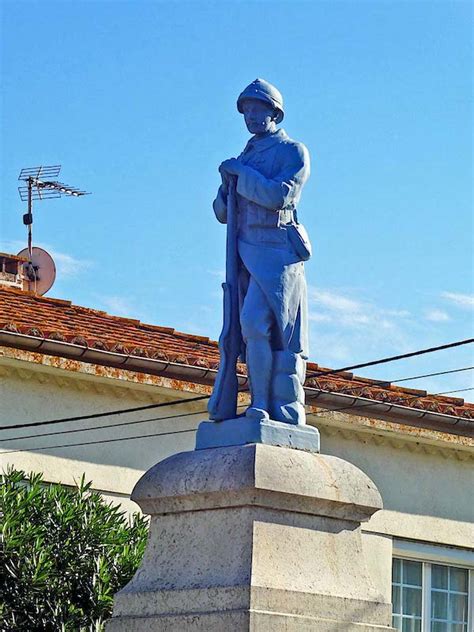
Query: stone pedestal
x=253 y=538
x=244 y=430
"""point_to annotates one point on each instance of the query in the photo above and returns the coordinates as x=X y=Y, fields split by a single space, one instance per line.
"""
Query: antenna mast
x=40 y=184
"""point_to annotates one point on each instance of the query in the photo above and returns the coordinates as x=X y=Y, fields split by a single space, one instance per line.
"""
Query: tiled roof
x=56 y=319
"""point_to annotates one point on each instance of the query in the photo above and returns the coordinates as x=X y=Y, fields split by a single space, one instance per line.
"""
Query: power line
x=159 y=434
x=201 y=412
x=70 y=445
x=459 y=390
x=376 y=402
x=105 y=414
x=418 y=377
x=202 y=397
x=180 y=415
x=392 y=358
x=355 y=406
x=409 y=397
x=123 y=423
x=386 y=383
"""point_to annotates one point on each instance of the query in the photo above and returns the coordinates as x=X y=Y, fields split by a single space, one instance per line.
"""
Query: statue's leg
x=287 y=392
x=256 y=322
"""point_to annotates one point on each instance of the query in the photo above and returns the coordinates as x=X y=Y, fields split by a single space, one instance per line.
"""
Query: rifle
x=223 y=401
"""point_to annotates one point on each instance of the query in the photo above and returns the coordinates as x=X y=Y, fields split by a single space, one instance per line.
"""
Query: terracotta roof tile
x=58 y=319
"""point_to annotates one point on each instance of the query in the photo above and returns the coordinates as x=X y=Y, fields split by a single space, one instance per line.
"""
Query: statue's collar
x=260 y=143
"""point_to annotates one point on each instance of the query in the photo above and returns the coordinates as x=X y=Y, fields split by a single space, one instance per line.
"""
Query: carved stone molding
x=79 y=383
x=397 y=443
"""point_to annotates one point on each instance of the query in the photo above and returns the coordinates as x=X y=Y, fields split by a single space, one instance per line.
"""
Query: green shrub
x=64 y=552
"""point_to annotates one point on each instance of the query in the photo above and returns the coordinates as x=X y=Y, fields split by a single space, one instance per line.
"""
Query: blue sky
x=137 y=101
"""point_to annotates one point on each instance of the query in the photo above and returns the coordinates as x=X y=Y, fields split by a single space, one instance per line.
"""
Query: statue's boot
x=287 y=393
x=259 y=367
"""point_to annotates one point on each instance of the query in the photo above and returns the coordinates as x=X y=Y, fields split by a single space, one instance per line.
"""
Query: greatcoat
x=267 y=194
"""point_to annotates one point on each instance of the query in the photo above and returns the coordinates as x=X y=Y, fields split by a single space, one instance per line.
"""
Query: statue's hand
x=225 y=177
x=231 y=167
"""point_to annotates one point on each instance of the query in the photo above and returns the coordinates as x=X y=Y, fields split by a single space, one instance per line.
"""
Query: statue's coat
x=267 y=193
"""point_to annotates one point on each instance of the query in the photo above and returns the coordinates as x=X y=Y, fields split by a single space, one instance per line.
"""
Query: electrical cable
x=106 y=414
x=200 y=412
x=387 y=383
x=202 y=397
x=418 y=377
x=70 y=445
x=355 y=406
x=352 y=406
x=392 y=358
x=459 y=390
x=384 y=384
x=123 y=423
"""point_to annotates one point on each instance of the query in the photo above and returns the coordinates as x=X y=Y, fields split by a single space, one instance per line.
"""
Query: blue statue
x=265 y=305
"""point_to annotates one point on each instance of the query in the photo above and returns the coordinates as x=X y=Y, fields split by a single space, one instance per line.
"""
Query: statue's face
x=259 y=116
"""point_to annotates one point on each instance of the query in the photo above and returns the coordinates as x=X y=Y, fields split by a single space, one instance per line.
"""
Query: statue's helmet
x=264 y=91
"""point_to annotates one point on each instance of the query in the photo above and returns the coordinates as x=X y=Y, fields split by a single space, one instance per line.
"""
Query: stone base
x=239 y=621
x=244 y=610
x=244 y=430
x=254 y=538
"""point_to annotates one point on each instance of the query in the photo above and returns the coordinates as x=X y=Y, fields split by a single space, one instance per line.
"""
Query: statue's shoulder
x=293 y=148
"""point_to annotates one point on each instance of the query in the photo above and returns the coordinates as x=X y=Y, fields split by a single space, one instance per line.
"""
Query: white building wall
x=425 y=479
x=426 y=489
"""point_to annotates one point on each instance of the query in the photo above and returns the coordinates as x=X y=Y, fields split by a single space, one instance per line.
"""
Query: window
x=407 y=597
x=430 y=597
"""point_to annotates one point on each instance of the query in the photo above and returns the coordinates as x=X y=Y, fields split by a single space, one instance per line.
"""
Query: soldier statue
x=265 y=269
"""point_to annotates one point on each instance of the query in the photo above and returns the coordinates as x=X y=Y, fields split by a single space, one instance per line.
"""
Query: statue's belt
x=264 y=218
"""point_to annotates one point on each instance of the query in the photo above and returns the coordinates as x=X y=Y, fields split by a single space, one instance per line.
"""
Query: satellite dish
x=40 y=271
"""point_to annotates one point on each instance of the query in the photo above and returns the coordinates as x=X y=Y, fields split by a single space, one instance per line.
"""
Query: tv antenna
x=41 y=184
